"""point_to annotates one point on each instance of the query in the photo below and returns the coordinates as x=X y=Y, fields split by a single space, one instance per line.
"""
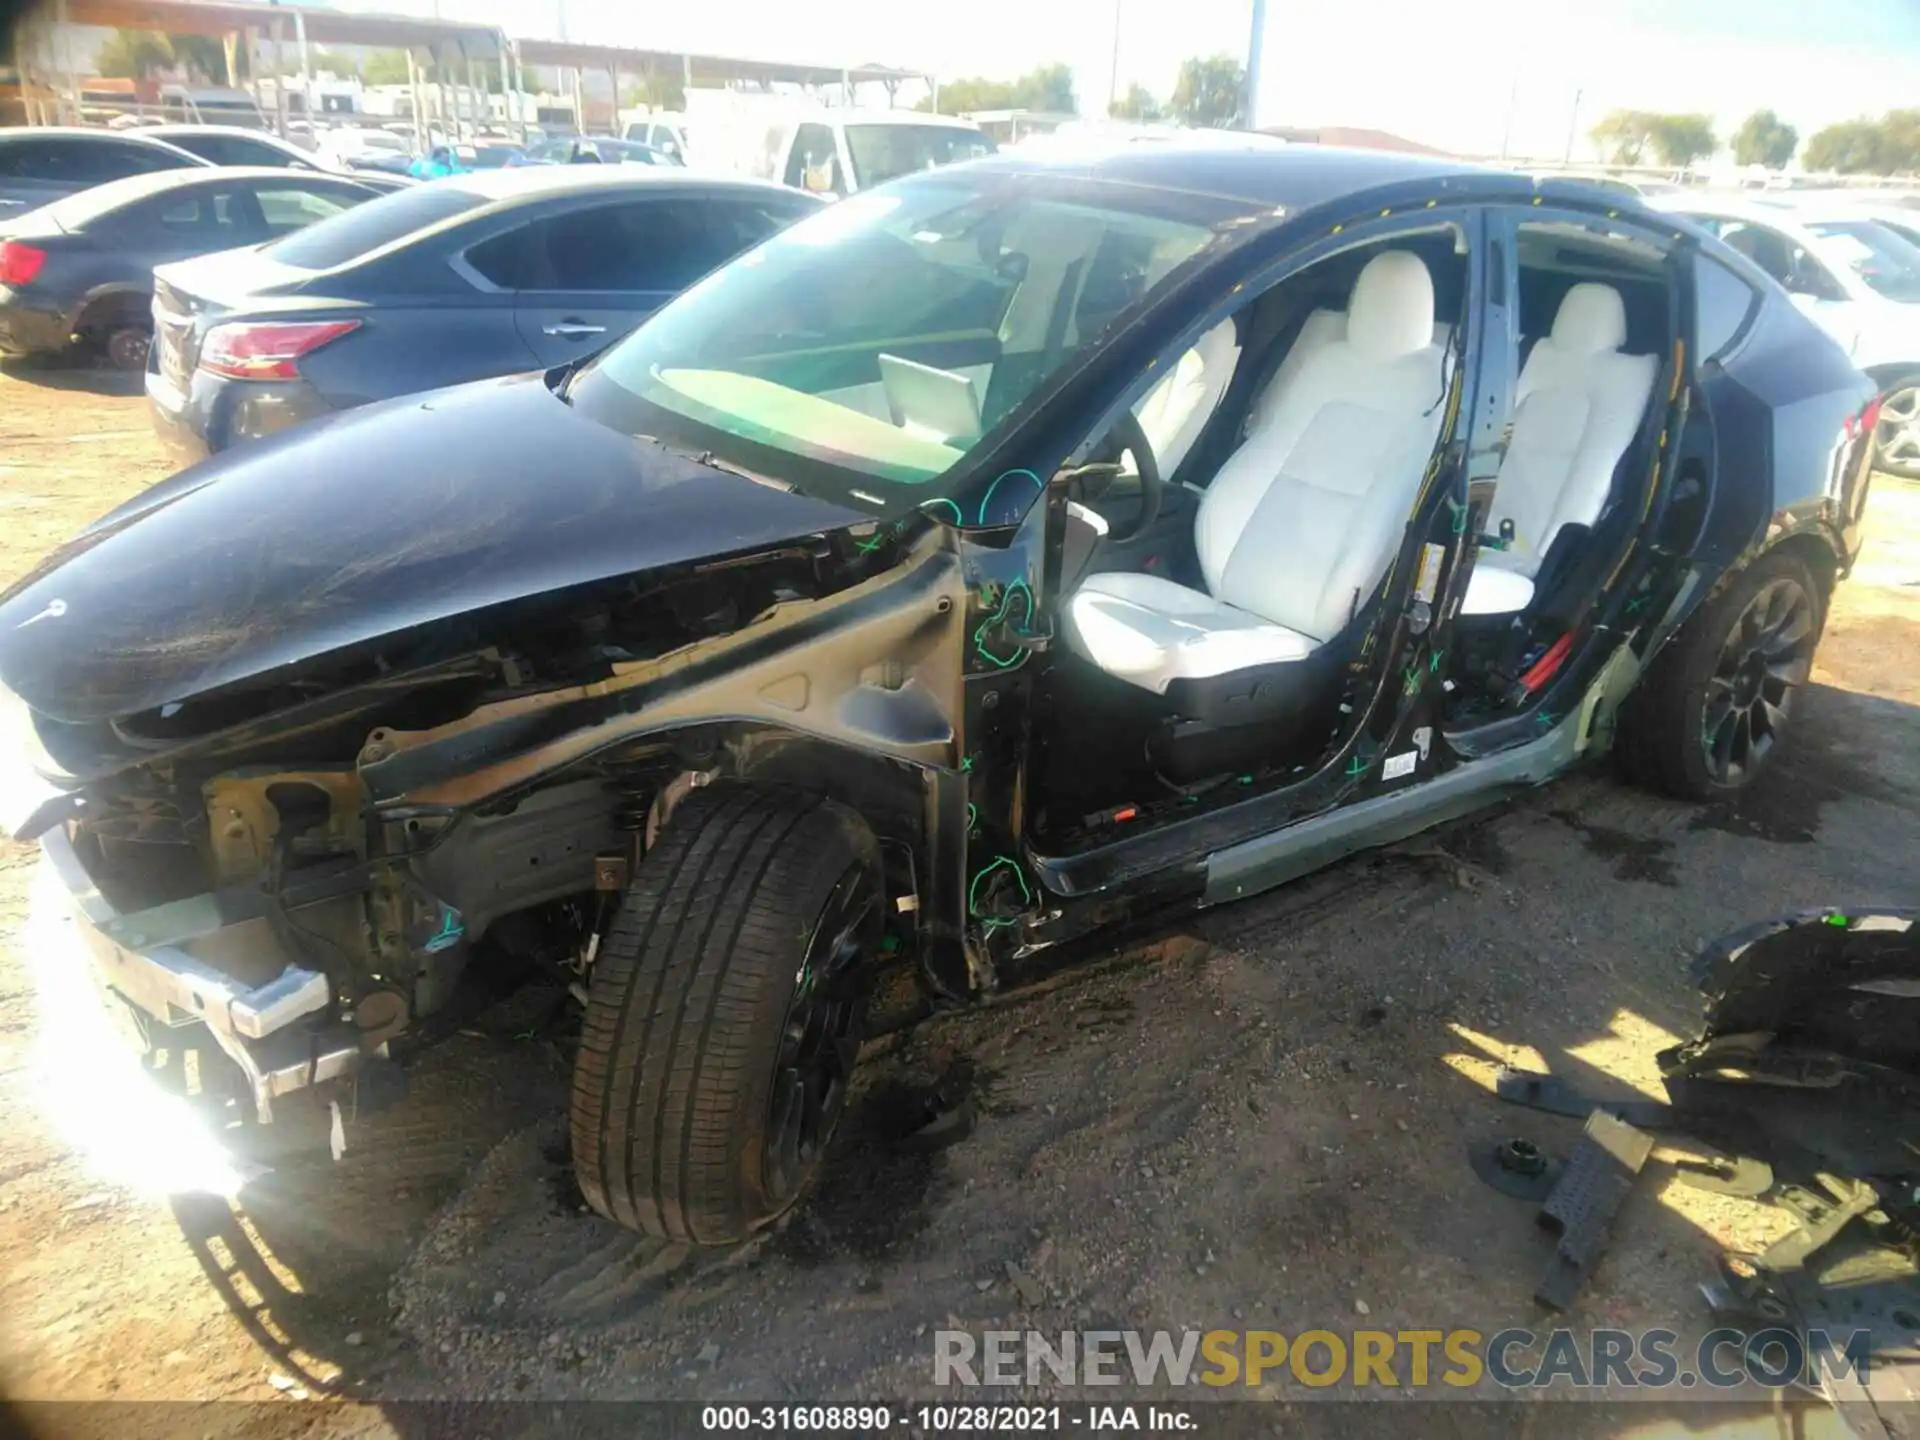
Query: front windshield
x=886 y=152
x=863 y=353
x=1884 y=262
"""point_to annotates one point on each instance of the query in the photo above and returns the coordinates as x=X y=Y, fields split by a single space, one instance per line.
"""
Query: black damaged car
x=1016 y=550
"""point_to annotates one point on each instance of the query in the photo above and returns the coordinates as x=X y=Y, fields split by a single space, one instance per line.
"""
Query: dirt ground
x=1259 y=1120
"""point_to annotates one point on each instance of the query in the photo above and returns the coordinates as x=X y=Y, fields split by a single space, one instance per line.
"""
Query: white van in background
x=827 y=151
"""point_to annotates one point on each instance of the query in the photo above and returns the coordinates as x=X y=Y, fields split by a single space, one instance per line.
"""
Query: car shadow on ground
x=1261 y=1116
x=75 y=370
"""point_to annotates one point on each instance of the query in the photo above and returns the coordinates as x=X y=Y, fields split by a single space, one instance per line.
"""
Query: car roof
x=243 y=130
x=1258 y=168
x=1829 y=206
x=23 y=133
x=1788 y=219
x=883 y=117
x=515 y=184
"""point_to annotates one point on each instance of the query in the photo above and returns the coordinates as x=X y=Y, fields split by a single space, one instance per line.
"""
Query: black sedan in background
x=39 y=164
x=454 y=280
x=81 y=269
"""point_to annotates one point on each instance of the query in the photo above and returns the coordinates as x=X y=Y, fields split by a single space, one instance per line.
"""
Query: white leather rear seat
x=1577 y=407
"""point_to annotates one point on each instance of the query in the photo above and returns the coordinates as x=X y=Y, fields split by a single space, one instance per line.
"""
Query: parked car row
x=472 y=276
x=1854 y=268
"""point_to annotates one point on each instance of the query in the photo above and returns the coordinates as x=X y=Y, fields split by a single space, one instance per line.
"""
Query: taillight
x=19 y=262
x=1862 y=426
x=246 y=350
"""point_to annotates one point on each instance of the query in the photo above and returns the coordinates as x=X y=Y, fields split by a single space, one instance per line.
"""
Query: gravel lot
x=1261 y=1119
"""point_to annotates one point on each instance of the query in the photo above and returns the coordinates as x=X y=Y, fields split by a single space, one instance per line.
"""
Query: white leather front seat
x=1174 y=412
x=1301 y=523
x=1577 y=407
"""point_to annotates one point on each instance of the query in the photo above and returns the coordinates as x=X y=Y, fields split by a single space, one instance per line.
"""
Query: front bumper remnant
x=275 y=1030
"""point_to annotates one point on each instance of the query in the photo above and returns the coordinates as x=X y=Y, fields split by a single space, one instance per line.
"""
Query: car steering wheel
x=1131 y=437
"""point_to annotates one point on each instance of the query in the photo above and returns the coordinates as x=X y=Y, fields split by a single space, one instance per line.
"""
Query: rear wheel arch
x=120 y=321
x=112 y=306
x=1816 y=551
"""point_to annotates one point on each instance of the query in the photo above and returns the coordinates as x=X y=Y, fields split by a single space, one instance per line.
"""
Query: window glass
x=287 y=208
x=886 y=152
x=1721 y=303
x=1885 y=262
x=1800 y=272
x=379 y=222
x=231 y=150
x=26 y=159
x=737 y=225
x=814 y=163
x=81 y=162
x=927 y=292
x=209 y=217
x=114 y=160
x=650 y=245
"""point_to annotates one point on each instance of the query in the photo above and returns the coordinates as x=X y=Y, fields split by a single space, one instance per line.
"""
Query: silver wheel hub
x=1896 y=436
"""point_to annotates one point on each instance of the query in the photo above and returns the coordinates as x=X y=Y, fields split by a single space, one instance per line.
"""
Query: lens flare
x=92 y=1085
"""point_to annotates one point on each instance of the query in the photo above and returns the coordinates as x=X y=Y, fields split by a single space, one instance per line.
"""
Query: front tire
x=724 y=1015
x=1709 y=717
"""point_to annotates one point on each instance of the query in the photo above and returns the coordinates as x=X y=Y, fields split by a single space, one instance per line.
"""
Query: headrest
x=1391 y=312
x=1221 y=344
x=1591 y=319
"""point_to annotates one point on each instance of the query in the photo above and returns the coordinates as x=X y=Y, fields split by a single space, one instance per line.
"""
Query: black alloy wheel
x=820 y=1041
x=1766 y=657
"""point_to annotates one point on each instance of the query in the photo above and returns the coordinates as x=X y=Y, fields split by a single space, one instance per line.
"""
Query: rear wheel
x=119 y=329
x=724 y=1016
x=1710 y=716
x=1896 y=436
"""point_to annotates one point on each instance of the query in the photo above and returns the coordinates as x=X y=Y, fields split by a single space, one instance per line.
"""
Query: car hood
x=360 y=526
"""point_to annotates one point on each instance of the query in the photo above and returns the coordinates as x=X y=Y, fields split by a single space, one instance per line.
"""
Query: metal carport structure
x=456 y=46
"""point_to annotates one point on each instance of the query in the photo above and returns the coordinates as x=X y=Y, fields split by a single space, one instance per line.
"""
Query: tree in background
x=1887 y=146
x=1050 y=88
x=1629 y=137
x=1137 y=104
x=1679 y=140
x=1207 y=94
x=203 y=55
x=1622 y=135
x=134 y=55
x=1764 y=139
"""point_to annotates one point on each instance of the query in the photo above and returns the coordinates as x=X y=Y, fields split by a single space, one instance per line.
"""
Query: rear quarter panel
x=420 y=343
x=1781 y=400
x=423 y=325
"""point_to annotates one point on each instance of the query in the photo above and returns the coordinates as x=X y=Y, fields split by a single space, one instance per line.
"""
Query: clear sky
x=1443 y=73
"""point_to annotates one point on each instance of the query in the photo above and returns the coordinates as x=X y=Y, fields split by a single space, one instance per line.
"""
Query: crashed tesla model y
x=1023 y=548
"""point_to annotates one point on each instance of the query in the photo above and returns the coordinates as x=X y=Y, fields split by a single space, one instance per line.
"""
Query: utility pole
x=1573 y=126
x=1250 y=87
x=1506 y=131
x=1113 y=79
